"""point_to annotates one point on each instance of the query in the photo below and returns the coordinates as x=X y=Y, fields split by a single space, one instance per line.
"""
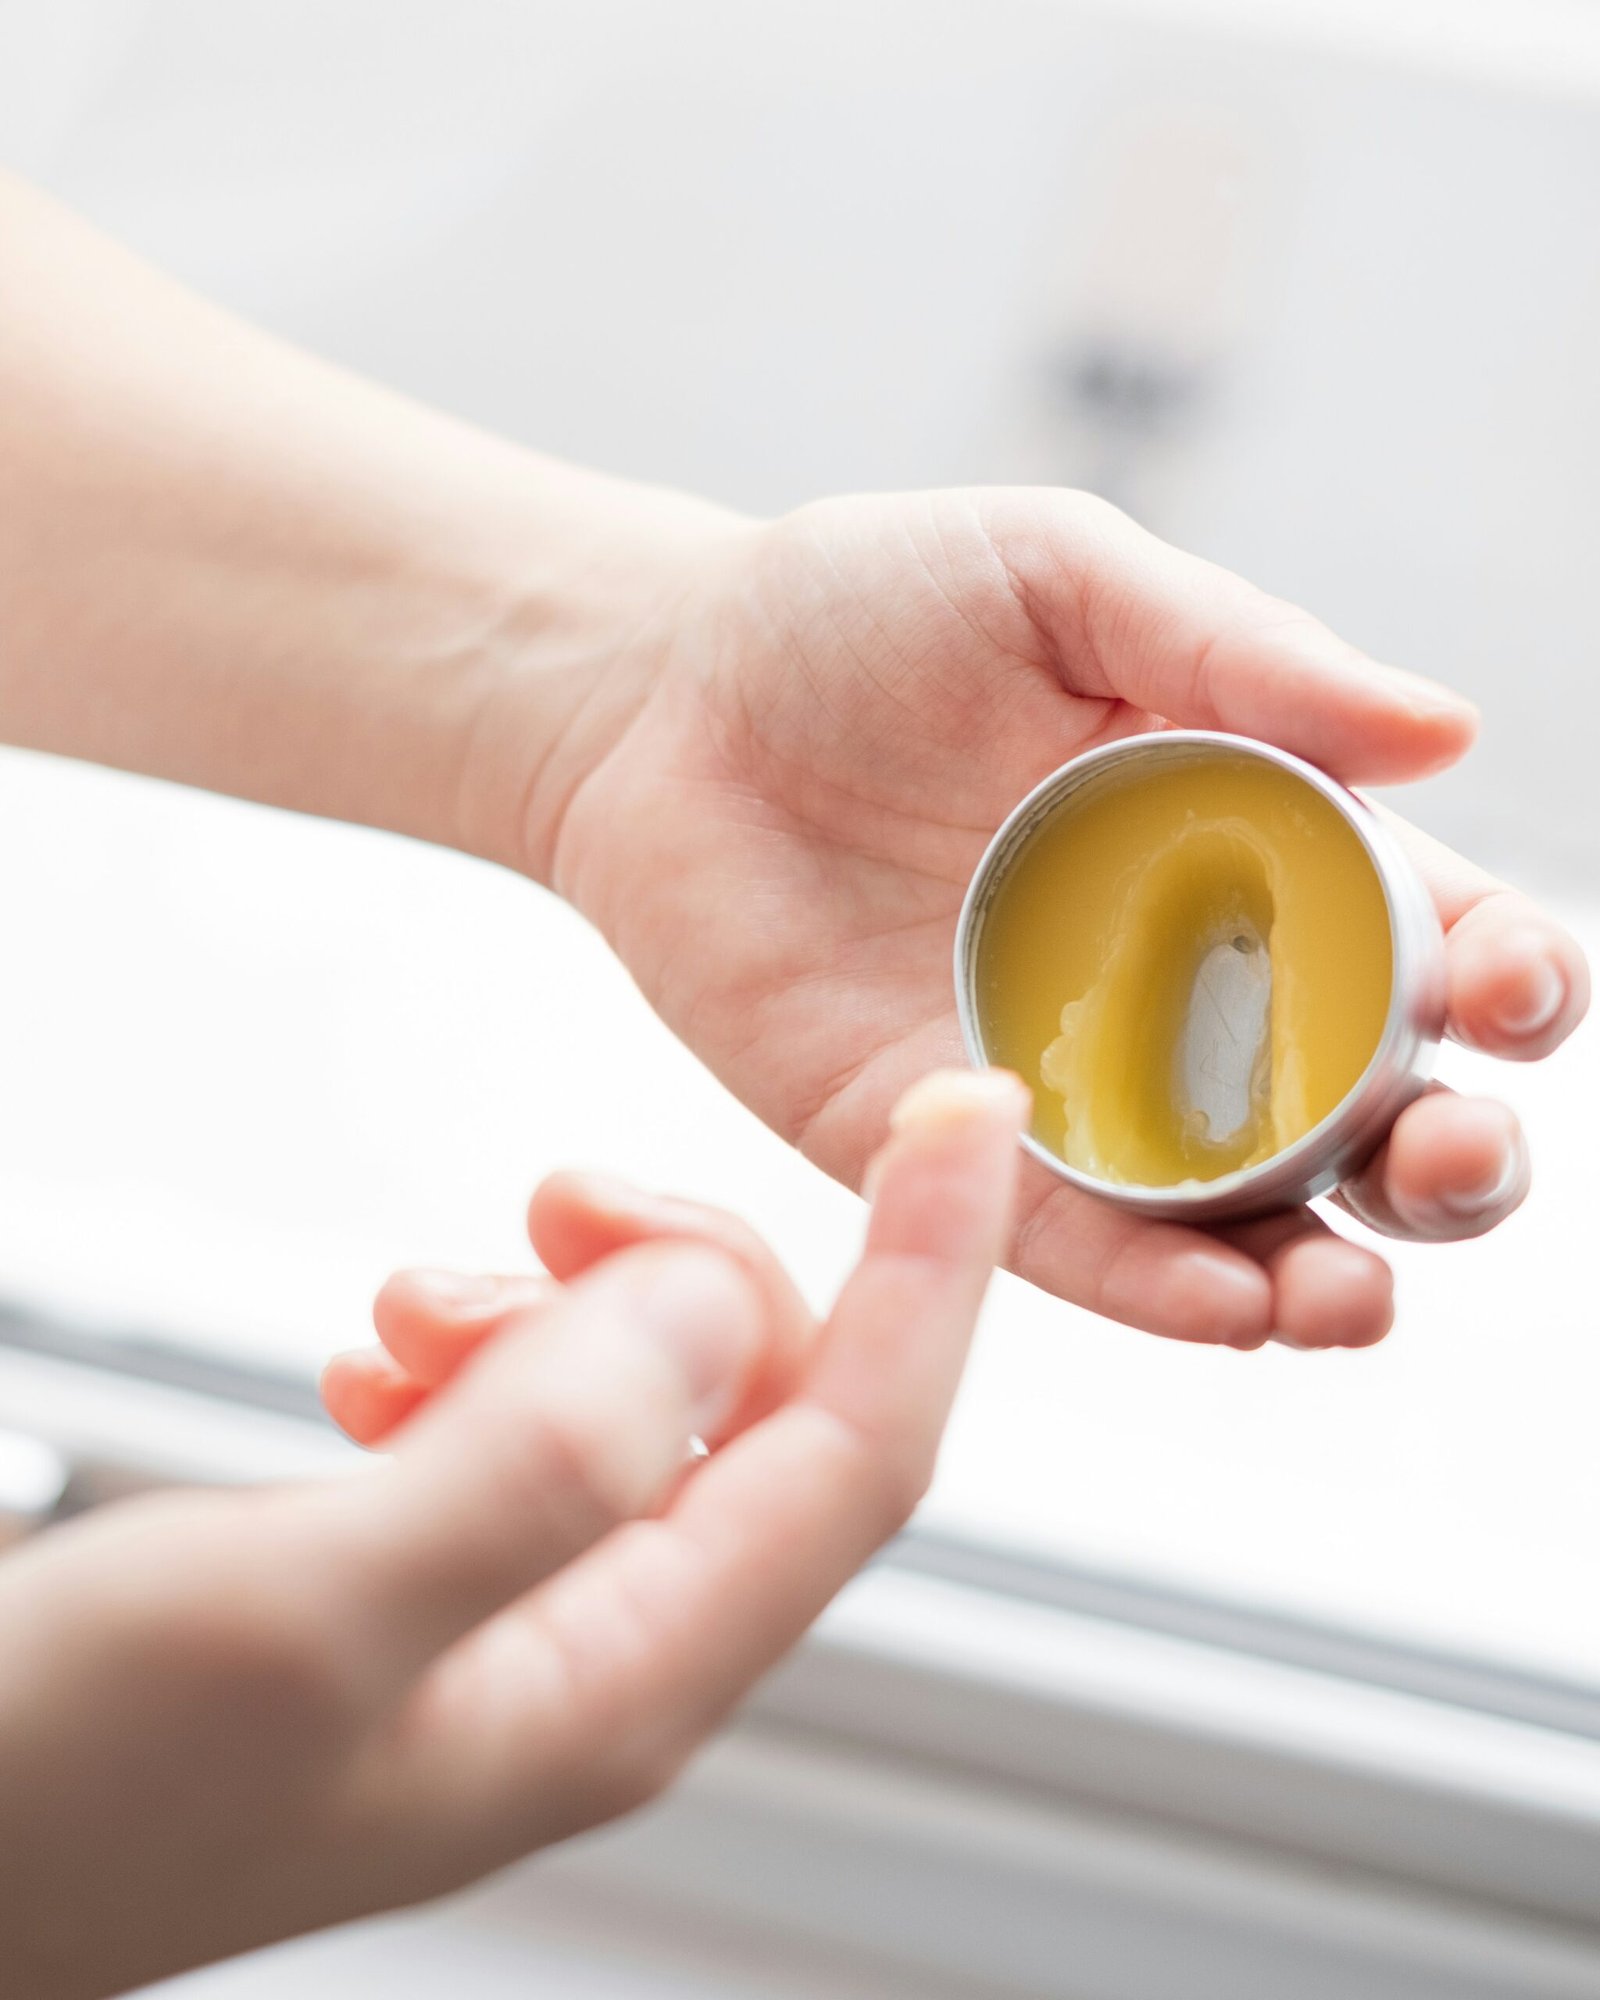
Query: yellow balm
x=1188 y=949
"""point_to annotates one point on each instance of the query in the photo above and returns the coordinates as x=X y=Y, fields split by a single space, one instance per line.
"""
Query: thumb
x=558 y=1431
x=1134 y=618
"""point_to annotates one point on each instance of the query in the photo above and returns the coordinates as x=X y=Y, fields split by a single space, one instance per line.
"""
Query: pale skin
x=763 y=758
x=226 y=1720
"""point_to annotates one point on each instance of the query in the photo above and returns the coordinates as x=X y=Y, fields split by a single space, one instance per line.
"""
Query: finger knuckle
x=642 y=1773
x=286 y=1672
x=587 y=1787
x=577 y=1467
x=200 y=1606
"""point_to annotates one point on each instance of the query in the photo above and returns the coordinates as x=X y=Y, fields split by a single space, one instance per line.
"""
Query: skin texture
x=229 y=1719
x=813 y=752
x=763 y=758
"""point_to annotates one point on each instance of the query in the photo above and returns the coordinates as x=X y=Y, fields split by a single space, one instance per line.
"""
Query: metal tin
x=1400 y=1066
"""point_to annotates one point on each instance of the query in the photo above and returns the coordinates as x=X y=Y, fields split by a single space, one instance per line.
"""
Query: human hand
x=229 y=1718
x=790 y=777
x=764 y=758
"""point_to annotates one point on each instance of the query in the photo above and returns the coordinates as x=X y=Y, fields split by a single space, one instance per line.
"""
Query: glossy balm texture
x=1189 y=955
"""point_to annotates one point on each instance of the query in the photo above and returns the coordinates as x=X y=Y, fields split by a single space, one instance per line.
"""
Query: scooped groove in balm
x=1195 y=961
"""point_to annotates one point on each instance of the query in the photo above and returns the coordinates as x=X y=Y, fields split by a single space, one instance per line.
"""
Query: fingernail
x=1496 y=1189
x=456 y=1291
x=706 y=1312
x=949 y=1097
x=1534 y=1005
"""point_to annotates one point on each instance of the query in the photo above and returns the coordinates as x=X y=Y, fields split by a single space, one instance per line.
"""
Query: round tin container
x=1400 y=1064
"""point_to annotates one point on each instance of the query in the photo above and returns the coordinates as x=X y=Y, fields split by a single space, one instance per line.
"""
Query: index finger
x=769 y=1529
x=549 y=1439
x=773 y=1526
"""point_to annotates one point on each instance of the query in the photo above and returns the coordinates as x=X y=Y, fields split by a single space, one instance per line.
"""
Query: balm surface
x=1191 y=962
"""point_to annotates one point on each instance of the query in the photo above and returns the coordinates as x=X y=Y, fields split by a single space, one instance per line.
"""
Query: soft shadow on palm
x=825 y=800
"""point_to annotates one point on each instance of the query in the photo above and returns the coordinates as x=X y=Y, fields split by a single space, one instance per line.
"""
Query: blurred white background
x=1313 y=290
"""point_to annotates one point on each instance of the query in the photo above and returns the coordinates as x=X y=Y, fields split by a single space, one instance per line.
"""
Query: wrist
x=228 y=564
x=591 y=578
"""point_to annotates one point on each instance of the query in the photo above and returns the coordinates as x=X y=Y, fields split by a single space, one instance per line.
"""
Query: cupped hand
x=777 y=829
x=226 y=1719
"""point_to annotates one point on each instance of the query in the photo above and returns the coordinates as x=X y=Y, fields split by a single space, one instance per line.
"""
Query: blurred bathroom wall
x=1327 y=315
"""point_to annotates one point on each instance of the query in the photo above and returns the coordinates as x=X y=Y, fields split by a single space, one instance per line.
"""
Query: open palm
x=840 y=712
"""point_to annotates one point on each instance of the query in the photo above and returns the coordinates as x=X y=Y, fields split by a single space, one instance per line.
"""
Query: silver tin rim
x=1400 y=1066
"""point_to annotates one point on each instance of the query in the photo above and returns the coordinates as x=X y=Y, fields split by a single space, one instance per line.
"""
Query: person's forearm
x=227 y=563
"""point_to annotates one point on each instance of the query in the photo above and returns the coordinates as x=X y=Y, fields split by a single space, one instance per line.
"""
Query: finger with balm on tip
x=757 y=1542
x=929 y=1209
